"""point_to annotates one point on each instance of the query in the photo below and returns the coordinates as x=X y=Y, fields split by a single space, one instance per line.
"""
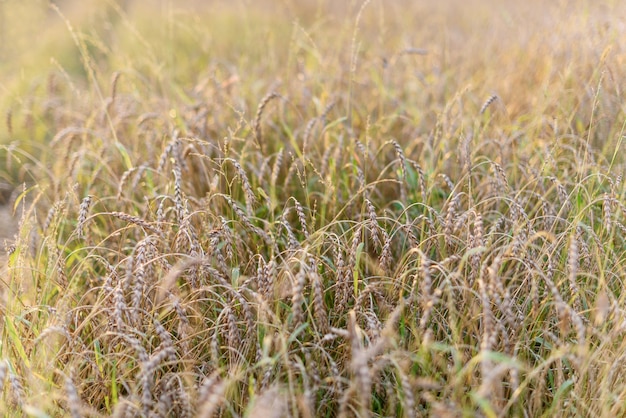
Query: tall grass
x=304 y=209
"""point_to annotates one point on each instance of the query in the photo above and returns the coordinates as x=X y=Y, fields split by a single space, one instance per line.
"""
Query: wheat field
x=284 y=208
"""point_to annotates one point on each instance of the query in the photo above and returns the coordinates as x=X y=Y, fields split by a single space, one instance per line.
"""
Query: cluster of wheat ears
x=283 y=226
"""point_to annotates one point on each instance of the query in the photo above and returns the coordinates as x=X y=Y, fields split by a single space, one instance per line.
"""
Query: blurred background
x=417 y=53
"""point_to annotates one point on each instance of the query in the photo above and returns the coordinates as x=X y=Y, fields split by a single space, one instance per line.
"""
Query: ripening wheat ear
x=123 y=179
x=359 y=366
x=245 y=183
x=73 y=398
x=271 y=403
x=259 y=114
x=278 y=162
x=297 y=297
x=488 y=103
x=18 y=394
x=309 y=126
x=210 y=396
x=111 y=101
x=9 y=121
x=403 y=167
x=373 y=223
x=500 y=176
x=321 y=317
x=180 y=204
x=428 y=297
x=573 y=265
x=301 y=217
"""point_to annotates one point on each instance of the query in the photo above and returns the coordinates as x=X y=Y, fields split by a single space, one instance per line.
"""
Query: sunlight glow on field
x=312 y=208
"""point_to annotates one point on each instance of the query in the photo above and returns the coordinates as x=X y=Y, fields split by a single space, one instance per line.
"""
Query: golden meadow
x=313 y=208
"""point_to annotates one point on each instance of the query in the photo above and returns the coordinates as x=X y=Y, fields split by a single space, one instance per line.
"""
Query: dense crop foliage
x=286 y=208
